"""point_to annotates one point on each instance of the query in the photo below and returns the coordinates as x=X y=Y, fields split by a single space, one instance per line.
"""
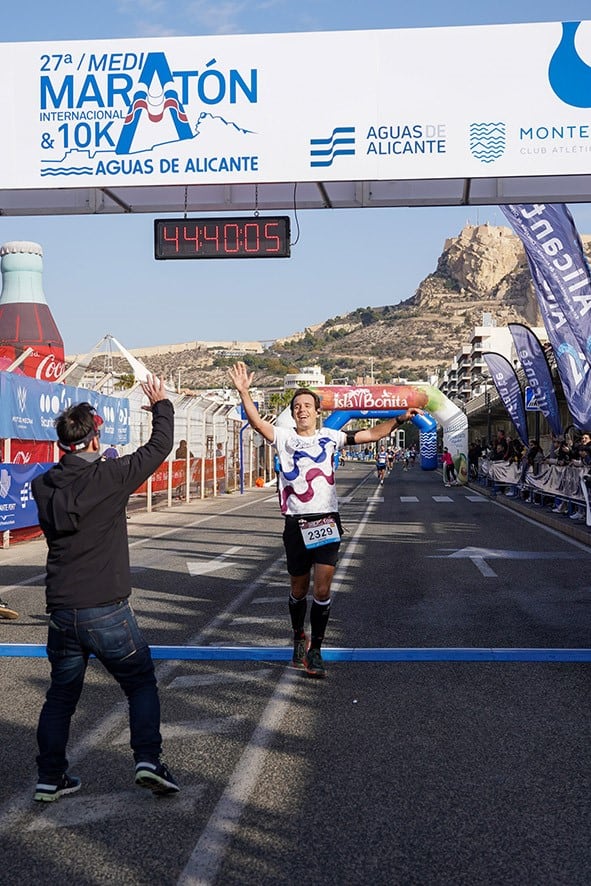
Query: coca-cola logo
x=21 y=458
x=50 y=369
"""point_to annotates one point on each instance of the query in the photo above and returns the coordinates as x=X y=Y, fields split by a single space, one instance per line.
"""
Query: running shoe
x=299 y=653
x=47 y=793
x=156 y=777
x=6 y=611
x=314 y=664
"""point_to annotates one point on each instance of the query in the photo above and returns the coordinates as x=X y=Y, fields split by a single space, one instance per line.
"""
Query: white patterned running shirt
x=306 y=479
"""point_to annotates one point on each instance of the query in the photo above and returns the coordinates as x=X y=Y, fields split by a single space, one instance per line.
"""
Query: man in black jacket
x=81 y=503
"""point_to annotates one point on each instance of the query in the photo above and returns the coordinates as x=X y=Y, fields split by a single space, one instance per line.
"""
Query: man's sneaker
x=314 y=664
x=6 y=611
x=156 y=777
x=299 y=653
x=47 y=793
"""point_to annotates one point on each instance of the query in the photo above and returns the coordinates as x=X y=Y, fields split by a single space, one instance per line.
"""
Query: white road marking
x=12 y=810
x=99 y=807
x=186 y=729
x=205 y=860
x=191 y=681
x=375 y=498
x=476 y=498
x=252 y=619
x=483 y=567
x=479 y=556
x=204 y=567
x=408 y=498
x=442 y=498
x=282 y=599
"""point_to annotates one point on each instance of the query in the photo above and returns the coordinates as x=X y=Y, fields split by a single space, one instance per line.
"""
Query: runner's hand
x=240 y=376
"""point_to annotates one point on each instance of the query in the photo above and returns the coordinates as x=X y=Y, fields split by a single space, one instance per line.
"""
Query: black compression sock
x=319 y=614
x=297 y=612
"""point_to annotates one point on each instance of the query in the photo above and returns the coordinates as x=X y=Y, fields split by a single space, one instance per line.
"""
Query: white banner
x=505 y=100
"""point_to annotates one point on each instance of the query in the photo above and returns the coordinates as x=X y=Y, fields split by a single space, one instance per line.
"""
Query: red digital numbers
x=188 y=238
x=262 y=237
x=231 y=239
x=169 y=239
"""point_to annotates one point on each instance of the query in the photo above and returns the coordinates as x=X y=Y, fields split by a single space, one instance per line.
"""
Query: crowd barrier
x=547 y=483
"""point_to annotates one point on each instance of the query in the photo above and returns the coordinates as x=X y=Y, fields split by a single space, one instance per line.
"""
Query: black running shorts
x=300 y=559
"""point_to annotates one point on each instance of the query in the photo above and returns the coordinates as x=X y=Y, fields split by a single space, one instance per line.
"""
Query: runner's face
x=304 y=413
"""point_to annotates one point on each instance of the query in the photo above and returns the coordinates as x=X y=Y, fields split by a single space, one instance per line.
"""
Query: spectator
x=534 y=456
x=81 y=503
x=474 y=454
x=449 y=470
x=563 y=453
x=181 y=450
x=581 y=450
x=499 y=447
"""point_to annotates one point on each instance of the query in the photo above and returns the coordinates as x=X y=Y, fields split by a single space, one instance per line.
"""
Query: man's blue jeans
x=111 y=633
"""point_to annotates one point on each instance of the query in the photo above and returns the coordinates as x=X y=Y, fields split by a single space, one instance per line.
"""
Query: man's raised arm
x=241 y=378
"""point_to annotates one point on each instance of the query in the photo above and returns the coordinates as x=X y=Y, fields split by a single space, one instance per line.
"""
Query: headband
x=83 y=443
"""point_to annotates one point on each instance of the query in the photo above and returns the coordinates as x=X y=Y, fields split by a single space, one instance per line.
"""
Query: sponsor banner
x=179 y=474
x=537 y=371
x=225 y=109
x=17 y=505
x=45 y=363
x=29 y=408
x=24 y=452
x=371 y=397
x=553 y=245
x=507 y=385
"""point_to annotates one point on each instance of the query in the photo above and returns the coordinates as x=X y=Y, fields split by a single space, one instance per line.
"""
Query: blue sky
x=95 y=286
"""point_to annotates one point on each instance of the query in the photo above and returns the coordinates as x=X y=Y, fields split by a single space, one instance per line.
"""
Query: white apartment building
x=308 y=377
x=467 y=375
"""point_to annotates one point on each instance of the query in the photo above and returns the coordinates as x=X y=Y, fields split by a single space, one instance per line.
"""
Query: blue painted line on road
x=283 y=653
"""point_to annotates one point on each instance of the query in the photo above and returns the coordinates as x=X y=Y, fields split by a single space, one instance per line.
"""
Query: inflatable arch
x=385 y=401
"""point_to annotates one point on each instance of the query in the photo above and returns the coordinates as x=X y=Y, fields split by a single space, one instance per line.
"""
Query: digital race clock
x=246 y=237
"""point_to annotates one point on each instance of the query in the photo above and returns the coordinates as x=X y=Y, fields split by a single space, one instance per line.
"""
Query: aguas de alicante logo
x=107 y=113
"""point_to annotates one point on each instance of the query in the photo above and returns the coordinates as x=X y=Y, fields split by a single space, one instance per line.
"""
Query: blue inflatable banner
x=507 y=385
x=537 y=371
x=17 y=506
x=29 y=408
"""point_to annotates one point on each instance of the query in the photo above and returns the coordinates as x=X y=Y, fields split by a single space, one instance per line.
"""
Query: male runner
x=308 y=500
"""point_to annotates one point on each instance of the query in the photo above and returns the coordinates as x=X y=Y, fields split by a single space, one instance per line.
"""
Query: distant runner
x=381 y=464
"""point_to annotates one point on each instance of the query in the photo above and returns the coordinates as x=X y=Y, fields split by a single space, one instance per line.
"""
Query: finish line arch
x=347 y=402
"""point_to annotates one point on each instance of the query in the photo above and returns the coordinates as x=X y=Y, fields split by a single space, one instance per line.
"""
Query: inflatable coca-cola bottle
x=25 y=318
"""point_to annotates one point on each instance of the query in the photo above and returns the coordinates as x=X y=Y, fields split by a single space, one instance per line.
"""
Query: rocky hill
x=483 y=269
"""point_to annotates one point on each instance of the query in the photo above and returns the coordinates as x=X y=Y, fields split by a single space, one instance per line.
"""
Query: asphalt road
x=387 y=772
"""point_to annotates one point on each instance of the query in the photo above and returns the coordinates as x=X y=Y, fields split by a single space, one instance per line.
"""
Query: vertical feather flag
x=509 y=390
x=563 y=288
x=537 y=371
